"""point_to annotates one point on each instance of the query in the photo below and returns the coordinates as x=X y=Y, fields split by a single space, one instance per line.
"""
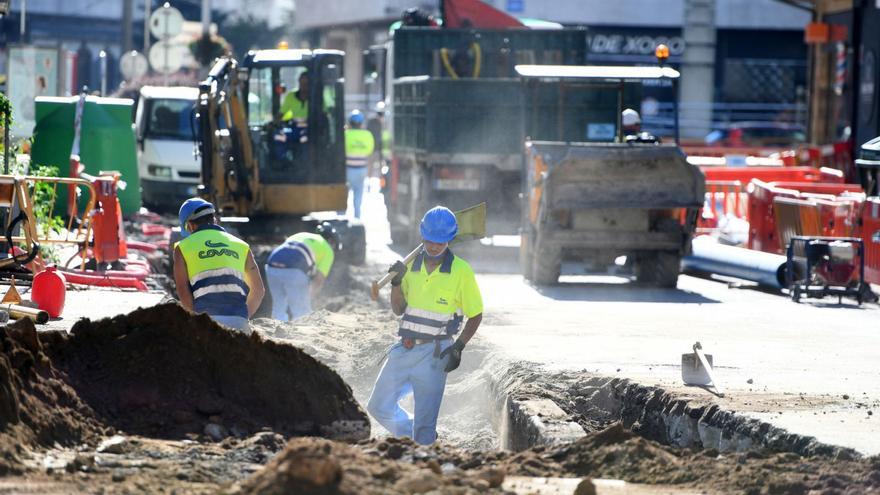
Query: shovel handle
x=382 y=282
x=698 y=350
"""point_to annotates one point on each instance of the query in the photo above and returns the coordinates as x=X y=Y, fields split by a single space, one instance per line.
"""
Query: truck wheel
x=658 y=268
x=356 y=246
x=546 y=264
x=525 y=256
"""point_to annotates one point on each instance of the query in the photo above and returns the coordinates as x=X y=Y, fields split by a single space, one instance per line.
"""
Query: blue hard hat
x=192 y=209
x=438 y=225
x=356 y=117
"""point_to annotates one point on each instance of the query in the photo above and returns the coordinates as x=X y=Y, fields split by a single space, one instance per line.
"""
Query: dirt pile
x=391 y=466
x=164 y=373
x=37 y=408
x=618 y=453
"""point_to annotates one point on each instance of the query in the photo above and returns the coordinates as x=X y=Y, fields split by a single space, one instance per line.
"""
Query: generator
x=826 y=266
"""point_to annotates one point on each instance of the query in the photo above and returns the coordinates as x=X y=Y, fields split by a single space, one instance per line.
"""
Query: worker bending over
x=296 y=270
x=433 y=293
x=215 y=271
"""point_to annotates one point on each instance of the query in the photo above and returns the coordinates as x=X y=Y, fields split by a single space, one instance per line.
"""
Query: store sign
x=633 y=44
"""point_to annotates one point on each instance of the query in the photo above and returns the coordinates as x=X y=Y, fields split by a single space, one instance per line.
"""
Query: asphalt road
x=811 y=368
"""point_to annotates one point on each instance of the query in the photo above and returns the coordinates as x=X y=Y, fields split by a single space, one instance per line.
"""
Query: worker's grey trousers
x=407 y=371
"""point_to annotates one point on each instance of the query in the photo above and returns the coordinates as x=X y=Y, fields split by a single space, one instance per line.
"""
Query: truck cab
x=167 y=164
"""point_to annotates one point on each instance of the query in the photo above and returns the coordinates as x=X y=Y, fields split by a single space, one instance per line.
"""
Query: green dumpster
x=107 y=142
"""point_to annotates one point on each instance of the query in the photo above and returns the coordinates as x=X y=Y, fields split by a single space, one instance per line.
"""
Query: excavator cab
x=272 y=142
x=275 y=122
x=295 y=114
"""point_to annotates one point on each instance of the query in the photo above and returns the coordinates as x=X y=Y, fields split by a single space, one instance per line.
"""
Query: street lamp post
x=103 y=57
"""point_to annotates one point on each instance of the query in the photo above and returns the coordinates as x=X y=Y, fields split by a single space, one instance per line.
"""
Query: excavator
x=271 y=139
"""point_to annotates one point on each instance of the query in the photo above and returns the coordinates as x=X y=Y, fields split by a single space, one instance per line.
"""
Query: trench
x=535 y=408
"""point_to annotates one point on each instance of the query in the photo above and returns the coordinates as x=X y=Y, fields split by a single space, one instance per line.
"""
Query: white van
x=166 y=133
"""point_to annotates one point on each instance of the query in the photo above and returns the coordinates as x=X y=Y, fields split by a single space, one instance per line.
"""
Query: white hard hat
x=631 y=117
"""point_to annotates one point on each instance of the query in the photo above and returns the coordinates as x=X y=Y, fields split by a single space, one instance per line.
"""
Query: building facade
x=757 y=54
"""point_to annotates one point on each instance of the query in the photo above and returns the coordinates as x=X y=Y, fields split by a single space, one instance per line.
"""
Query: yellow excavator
x=271 y=139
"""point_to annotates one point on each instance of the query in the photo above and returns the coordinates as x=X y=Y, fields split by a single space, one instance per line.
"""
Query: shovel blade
x=692 y=370
x=471 y=223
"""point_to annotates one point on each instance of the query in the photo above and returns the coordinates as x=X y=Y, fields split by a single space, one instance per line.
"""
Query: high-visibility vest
x=215 y=267
x=359 y=145
x=292 y=108
x=437 y=302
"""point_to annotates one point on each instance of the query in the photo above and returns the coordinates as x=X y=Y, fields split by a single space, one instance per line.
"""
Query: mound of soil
x=37 y=408
x=165 y=373
x=618 y=453
x=393 y=466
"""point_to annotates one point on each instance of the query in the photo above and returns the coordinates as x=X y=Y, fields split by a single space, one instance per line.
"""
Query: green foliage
x=44 y=196
x=206 y=49
x=251 y=33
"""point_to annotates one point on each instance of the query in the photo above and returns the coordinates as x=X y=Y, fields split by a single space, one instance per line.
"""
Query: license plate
x=457 y=184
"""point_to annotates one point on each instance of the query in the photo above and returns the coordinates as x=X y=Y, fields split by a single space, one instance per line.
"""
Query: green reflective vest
x=215 y=265
x=292 y=108
x=359 y=145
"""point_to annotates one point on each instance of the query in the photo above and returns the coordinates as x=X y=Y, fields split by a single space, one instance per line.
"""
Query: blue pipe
x=708 y=256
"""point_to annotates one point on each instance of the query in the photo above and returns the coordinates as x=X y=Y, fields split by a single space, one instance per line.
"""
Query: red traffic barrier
x=105 y=280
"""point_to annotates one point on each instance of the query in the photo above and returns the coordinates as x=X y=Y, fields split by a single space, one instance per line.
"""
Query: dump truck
x=593 y=194
x=456 y=106
x=283 y=172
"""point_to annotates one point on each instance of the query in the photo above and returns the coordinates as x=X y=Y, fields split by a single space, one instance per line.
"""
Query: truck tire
x=546 y=264
x=525 y=256
x=357 y=244
x=659 y=268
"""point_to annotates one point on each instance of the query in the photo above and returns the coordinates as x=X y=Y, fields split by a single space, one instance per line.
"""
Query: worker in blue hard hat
x=215 y=272
x=296 y=270
x=435 y=293
x=359 y=145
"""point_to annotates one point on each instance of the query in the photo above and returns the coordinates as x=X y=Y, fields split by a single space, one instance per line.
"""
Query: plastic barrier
x=723 y=199
x=144 y=247
x=98 y=280
x=870 y=234
x=836 y=208
x=762 y=215
x=155 y=229
x=773 y=174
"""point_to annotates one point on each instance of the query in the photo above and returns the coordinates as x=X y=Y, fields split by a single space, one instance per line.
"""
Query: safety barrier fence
x=17 y=197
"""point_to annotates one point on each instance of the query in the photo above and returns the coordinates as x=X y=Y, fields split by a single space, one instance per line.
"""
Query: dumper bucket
x=612 y=175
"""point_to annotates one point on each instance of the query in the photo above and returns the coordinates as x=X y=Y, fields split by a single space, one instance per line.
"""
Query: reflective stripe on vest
x=422 y=324
x=215 y=262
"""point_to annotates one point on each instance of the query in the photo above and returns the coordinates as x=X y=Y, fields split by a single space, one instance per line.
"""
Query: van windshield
x=170 y=119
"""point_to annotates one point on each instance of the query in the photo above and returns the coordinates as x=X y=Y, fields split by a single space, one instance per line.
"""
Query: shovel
x=471 y=225
x=696 y=369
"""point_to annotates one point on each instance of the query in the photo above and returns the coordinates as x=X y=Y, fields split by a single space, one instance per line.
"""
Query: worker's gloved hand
x=454 y=353
x=400 y=268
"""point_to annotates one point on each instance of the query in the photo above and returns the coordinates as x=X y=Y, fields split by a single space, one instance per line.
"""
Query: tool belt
x=409 y=343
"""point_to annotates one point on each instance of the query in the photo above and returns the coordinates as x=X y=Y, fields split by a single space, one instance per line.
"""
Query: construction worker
x=632 y=122
x=632 y=128
x=215 y=272
x=295 y=105
x=296 y=270
x=359 y=145
x=433 y=293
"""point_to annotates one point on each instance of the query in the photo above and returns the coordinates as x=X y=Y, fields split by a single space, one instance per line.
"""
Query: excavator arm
x=230 y=175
